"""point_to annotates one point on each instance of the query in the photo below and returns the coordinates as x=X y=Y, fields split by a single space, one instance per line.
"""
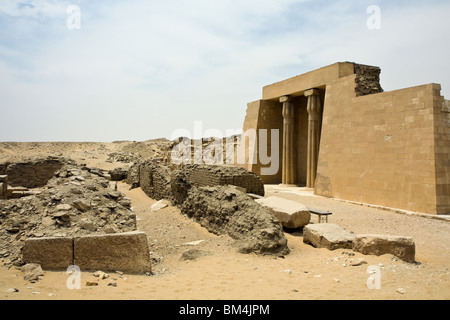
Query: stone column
x=3 y=187
x=288 y=168
x=314 y=108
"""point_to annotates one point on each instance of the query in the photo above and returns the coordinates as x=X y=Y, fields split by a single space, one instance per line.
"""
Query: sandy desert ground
x=223 y=274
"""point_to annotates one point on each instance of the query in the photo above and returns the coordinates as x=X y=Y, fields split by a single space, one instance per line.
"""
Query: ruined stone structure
x=215 y=196
x=32 y=173
x=340 y=134
x=158 y=181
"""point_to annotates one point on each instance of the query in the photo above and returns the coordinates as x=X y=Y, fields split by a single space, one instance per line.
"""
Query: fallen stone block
x=291 y=214
x=328 y=235
x=50 y=253
x=127 y=252
x=402 y=247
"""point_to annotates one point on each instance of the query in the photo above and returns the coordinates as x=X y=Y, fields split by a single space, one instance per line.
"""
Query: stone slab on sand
x=126 y=252
x=402 y=247
x=328 y=235
x=290 y=213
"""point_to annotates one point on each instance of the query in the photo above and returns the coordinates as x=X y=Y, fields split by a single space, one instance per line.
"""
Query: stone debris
x=290 y=213
x=225 y=210
x=357 y=262
x=124 y=157
x=193 y=243
x=401 y=290
x=101 y=275
x=33 y=272
x=193 y=254
x=158 y=206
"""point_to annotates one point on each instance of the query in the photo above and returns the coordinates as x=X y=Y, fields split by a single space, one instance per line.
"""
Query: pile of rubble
x=218 y=201
x=226 y=210
x=76 y=201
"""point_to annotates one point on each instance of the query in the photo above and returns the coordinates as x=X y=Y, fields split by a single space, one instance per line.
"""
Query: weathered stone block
x=50 y=253
x=291 y=214
x=328 y=235
x=33 y=173
x=402 y=247
x=127 y=252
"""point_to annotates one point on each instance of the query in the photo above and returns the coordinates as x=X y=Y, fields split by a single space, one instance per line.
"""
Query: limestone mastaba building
x=339 y=133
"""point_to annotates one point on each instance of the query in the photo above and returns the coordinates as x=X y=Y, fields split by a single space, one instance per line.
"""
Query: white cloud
x=33 y=8
x=137 y=70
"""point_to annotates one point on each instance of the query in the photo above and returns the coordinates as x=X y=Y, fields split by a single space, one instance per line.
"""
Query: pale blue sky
x=138 y=70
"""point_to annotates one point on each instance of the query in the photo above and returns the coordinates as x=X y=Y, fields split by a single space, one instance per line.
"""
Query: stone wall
x=159 y=182
x=32 y=173
x=388 y=149
x=442 y=151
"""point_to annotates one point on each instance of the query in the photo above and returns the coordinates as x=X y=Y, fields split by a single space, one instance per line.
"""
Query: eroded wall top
x=367 y=80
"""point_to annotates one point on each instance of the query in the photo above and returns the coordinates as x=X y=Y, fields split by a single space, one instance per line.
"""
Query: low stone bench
x=322 y=215
x=126 y=252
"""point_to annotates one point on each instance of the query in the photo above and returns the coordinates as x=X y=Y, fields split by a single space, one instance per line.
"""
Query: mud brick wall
x=214 y=175
x=32 y=173
x=154 y=179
